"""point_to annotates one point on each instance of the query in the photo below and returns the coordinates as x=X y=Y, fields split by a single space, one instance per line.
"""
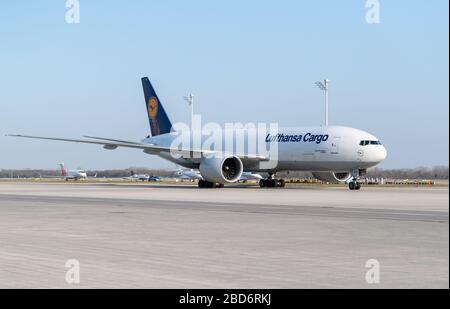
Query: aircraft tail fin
x=159 y=122
x=63 y=170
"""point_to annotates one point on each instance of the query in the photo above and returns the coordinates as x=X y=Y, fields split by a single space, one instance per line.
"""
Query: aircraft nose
x=381 y=153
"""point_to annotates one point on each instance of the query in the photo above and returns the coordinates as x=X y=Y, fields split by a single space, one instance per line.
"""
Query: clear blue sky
x=244 y=61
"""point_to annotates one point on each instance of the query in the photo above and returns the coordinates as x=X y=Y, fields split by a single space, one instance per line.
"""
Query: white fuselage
x=331 y=148
x=141 y=177
x=76 y=174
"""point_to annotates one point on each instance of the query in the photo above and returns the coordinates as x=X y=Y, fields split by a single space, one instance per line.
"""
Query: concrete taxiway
x=179 y=236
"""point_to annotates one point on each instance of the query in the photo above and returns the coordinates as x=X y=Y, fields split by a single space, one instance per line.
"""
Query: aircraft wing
x=112 y=144
x=110 y=139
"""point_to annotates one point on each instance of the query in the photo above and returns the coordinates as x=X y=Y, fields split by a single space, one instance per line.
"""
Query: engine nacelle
x=332 y=177
x=221 y=170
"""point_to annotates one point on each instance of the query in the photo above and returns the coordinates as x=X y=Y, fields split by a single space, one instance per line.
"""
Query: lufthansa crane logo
x=152 y=107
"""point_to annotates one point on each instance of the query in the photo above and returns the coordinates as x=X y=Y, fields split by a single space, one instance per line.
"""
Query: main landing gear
x=207 y=184
x=271 y=182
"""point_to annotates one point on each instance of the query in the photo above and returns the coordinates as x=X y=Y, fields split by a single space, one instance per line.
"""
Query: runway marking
x=317 y=211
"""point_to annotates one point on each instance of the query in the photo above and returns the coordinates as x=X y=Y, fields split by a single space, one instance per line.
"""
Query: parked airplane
x=332 y=153
x=246 y=176
x=188 y=174
x=141 y=177
x=191 y=174
x=73 y=174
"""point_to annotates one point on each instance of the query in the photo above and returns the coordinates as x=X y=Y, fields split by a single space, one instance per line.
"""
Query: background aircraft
x=246 y=176
x=188 y=174
x=73 y=174
x=139 y=177
x=191 y=174
x=142 y=177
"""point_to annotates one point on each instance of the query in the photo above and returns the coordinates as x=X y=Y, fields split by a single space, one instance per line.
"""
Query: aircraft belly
x=180 y=161
x=317 y=165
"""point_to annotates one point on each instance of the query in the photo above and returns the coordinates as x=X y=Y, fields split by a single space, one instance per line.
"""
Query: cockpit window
x=365 y=143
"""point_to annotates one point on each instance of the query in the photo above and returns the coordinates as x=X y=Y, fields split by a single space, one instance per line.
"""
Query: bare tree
x=437 y=172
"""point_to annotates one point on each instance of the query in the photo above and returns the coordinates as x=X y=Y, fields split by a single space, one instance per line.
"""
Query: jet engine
x=221 y=170
x=332 y=177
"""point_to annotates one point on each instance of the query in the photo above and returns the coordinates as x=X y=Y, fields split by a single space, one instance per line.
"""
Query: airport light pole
x=324 y=85
x=190 y=100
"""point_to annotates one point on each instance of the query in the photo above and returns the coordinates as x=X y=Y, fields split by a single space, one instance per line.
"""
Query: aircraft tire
x=201 y=183
x=352 y=185
x=272 y=183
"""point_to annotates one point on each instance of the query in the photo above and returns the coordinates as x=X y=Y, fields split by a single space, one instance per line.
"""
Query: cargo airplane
x=334 y=154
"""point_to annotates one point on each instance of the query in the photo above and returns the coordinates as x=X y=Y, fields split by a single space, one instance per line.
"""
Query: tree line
x=436 y=172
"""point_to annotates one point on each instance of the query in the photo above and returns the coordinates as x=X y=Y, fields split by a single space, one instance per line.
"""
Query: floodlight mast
x=324 y=85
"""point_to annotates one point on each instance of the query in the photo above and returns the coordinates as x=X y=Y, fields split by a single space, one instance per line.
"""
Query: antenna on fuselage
x=324 y=85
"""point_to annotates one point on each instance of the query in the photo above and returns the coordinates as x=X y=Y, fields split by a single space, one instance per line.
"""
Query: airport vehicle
x=333 y=153
x=154 y=178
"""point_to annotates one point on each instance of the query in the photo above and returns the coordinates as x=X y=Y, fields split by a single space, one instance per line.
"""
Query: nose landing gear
x=271 y=182
x=354 y=184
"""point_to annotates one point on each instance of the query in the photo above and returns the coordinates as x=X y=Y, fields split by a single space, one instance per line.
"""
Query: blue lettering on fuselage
x=296 y=138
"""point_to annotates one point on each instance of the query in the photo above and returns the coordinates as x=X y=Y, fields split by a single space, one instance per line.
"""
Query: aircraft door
x=335 y=145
